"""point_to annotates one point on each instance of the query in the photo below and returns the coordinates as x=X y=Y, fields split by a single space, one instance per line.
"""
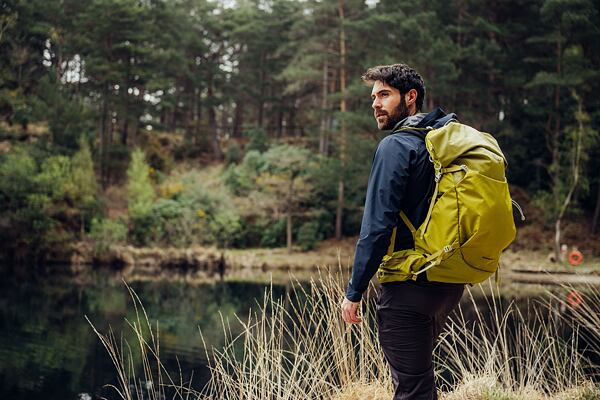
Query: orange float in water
x=575 y=258
x=574 y=298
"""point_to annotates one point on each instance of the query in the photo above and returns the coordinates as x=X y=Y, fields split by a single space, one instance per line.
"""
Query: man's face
x=389 y=106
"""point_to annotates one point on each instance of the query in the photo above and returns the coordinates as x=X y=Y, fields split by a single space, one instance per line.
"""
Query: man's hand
x=350 y=311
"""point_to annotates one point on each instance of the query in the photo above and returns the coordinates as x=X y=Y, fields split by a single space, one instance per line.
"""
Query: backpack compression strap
x=410 y=226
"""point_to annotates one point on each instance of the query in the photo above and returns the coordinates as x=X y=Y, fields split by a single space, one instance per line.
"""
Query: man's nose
x=376 y=104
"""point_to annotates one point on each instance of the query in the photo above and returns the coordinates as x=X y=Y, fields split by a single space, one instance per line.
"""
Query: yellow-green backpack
x=470 y=218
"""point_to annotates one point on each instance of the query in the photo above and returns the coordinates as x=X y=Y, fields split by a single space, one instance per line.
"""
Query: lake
x=49 y=351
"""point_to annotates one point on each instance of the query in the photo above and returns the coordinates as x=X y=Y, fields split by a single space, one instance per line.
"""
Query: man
x=410 y=314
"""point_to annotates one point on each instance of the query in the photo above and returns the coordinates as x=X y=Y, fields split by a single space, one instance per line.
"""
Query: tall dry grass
x=139 y=371
x=520 y=352
x=297 y=347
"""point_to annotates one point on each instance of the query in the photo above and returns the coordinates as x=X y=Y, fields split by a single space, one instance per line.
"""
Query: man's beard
x=399 y=113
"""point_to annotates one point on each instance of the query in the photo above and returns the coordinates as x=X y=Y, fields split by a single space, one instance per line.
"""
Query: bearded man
x=410 y=314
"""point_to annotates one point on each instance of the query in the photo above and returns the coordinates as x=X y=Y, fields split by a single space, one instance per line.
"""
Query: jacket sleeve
x=385 y=193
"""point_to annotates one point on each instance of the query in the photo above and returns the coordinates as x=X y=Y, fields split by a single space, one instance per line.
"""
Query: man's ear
x=410 y=97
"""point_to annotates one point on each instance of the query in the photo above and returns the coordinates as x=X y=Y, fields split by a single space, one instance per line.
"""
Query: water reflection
x=48 y=350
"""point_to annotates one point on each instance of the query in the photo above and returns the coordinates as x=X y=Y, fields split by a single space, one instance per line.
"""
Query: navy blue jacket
x=401 y=180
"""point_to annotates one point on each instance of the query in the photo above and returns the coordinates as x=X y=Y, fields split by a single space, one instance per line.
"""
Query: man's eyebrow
x=380 y=91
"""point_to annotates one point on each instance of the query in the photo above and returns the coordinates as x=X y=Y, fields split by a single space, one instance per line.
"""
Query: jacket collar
x=435 y=119
x=412 y=120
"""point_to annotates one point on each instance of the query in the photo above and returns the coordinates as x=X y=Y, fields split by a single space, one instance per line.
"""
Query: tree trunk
x=339 y=216
x=596 y=213
x=279 y=128
x=103 y=153
x=212 y=121
x=198 y=118
x=339 y=210
x=188 y=115
x=324 y=112
x=556 y=136
x=290 y=196
x=125 y=116
x=292 y=129
x=576 y=162
x=238 y=120
x=261 y=100
x=223 y=127
x=289 y=231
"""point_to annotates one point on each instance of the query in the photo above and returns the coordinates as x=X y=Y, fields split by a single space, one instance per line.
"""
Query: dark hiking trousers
x=410 y=316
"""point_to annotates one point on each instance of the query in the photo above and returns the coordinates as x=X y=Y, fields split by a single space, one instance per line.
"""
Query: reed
x=140 y=372
x=500 y=350
x=297 y=347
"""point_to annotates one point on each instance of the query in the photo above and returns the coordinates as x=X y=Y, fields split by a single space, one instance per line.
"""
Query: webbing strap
x=436 y=257
x=453 y=168
x=410 y=226
x=438 y=176
x=408 y=223
x=392 y=243
x=431 y=204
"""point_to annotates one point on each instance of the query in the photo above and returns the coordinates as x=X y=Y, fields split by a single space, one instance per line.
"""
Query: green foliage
x=67 y=116
x=84 y=186
x=186 y=214
x=225 y=225
x=46 y=202
x=157 y=154
x=308 y=235
x=140 y=192
x=106 y=233
x=241 y=179
x=272 y=73
x=280 y=178
x=233 y=155
x=53 y=179
x=259 y=141
x=274 y=234
x=16 y=172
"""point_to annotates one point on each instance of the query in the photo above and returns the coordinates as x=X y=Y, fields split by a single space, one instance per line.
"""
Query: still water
x=49 y=351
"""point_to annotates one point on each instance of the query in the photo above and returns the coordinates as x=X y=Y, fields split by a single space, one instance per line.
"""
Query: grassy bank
x=297 y=347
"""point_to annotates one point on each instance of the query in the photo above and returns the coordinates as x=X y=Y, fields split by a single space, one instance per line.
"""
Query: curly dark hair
x=399 y=76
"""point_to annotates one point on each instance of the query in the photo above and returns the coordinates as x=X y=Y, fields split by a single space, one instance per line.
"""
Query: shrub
x=158 y=156
x=233 y=154
x=106 y=233
x=17 y=171
x=140 y=192
x=250 y=234
x=308 y=235
x=225 y=226
x=54 y=177
x=187 y=214
x=274 y=234
x=259 y=140
x=84 y=186
x=241 y=179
